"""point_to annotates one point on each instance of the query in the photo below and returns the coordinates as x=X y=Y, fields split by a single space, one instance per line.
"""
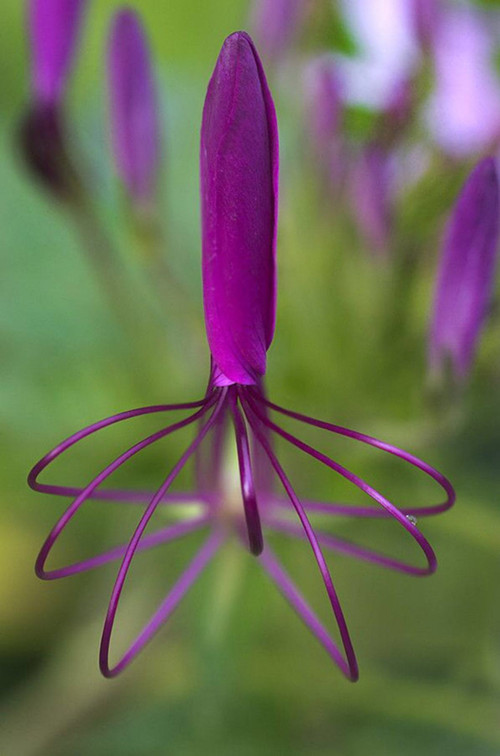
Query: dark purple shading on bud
x=43 y=148
x=239 y=197
x=370 y=188
x=135 y=128
x=54 y=27
x=323 y=99
x=275 y=24
x=466 y=274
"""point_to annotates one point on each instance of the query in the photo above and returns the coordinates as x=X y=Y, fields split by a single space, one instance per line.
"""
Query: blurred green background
x=235 y=671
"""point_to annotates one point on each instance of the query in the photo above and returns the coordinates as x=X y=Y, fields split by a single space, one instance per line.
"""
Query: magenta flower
x=135 y=130
x=239 y=188
x=466 y=275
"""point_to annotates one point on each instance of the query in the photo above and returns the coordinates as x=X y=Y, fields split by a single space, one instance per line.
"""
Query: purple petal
x=466 y=273
x=464 y=112
x=239 y=194
x=53 y=27
x=135 y=127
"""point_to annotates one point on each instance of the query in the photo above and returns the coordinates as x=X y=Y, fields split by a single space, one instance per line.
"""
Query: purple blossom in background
x=324 y=108
x=239 y=194
x=135 y=130
x=275 y=25
x=388 y=50
x=371 y=195
x=425 y=17
x=54 y=27
x=466 y=274
x=464 y=110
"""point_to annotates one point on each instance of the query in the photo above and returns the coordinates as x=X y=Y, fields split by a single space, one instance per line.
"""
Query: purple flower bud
x=466 y=274
x=135 y=128
x=239 y=195
x=54 y=26
x=323 y=95
x=275 y=24
x=464 y=112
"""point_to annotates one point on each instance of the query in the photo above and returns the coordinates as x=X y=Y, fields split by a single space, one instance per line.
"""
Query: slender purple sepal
x=466 y=273
x=135 y=130
x=239 y=195
x=54 y=27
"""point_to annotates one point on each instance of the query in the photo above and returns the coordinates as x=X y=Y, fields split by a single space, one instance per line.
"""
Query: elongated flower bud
x=239 y=195
x=466 y=274
x=133 y=106
x=54 y=27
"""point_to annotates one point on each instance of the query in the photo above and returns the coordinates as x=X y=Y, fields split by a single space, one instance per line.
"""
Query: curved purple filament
x=384 y=446
x=168 y=605
x=96 y=482
x=349 y=665
x=348 y=548
x=89 y=430
x=164 y=535
x=157 y=619
x=422 y=542
x=248 y=494
x=290 y=591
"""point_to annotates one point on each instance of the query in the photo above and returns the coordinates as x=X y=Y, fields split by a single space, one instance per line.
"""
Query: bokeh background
x=234 y=671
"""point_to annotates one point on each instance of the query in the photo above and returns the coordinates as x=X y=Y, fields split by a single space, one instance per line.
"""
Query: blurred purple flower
x=388 y=50
x=464 y=110
x=239 y=193
x=425 y=16
x=466 y=274
x=324 y=107
x=135 y=128
x=371 y=196
x=275 y=24
x=54 y=27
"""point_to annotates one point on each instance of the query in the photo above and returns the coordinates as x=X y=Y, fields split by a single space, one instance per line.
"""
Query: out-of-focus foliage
x=234 y=671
